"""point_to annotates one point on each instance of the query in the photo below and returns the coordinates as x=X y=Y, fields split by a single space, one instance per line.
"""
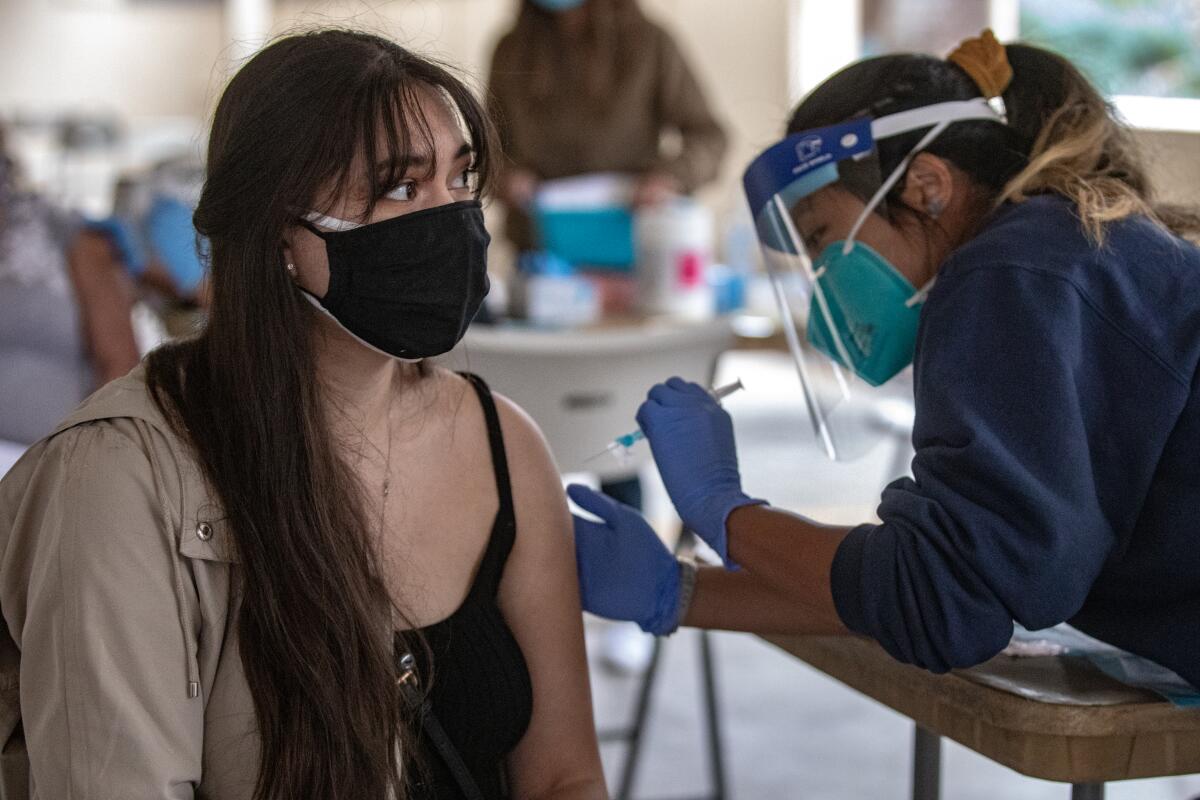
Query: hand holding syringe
x=619 y=447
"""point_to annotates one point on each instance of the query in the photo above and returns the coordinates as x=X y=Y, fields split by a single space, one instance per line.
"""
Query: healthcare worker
x=987 y=215
x=153 y=233
x=583 y=86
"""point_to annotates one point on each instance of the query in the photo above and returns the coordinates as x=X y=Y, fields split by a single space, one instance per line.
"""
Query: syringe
x=620 y=446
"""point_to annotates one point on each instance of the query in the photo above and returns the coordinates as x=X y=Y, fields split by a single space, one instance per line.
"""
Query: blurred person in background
x=288 y=558
x=151 y=227
x=586 y=86
x=581 y=86
x=65 y=303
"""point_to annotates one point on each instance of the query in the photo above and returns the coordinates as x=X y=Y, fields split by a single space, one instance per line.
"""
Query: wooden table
x=1056 y=718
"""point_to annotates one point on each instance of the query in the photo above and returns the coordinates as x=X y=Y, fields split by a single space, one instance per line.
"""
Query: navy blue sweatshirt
x=1057 y=467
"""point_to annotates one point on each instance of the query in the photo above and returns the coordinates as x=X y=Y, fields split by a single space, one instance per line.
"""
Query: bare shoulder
x=523 y=440
x=536 y=486
x=528 y=452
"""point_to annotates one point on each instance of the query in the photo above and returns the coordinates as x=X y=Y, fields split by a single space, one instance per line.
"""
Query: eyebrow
x=422 y=159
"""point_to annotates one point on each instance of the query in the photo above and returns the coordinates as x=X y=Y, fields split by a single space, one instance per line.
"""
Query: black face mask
x=408 y=286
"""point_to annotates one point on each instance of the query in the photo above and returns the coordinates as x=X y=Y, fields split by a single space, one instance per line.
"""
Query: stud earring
x=291 y=269
x=936 y=207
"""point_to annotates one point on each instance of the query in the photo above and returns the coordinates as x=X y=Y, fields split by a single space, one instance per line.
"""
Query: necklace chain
x=387 y=469
x=386 y=455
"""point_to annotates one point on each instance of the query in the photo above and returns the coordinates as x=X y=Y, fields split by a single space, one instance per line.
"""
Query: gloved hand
x=691 y=437
x=625 y=571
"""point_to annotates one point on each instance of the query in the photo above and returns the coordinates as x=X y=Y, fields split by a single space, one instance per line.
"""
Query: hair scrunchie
x=985 y=60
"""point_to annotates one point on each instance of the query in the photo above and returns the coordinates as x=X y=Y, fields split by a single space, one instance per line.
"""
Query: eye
x=813 y=240
x=405 y=191
x=467 y=180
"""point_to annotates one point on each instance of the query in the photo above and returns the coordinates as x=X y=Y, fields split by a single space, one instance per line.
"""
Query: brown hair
x=597 y=57
x=314 y=623
x=1062 y=137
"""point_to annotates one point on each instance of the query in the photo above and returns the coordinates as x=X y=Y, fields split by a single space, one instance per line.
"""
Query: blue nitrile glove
x=625 y=571
x=691 y=437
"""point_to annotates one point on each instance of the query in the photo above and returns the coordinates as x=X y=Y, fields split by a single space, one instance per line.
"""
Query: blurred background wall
x=155 y=67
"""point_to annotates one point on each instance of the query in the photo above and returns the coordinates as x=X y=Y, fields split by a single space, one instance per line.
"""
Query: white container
x=561 y=301
x=674 y=246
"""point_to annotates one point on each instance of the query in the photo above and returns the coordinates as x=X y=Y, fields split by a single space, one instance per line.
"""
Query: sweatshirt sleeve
x=104 y=655
x=683 y=107
x=1003 y=519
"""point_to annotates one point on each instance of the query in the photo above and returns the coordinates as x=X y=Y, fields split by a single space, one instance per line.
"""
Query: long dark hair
x=314 y=624
x=1062 y=136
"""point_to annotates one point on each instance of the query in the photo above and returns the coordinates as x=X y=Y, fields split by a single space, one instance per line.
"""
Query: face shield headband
x=862 y=315
x=806 y=162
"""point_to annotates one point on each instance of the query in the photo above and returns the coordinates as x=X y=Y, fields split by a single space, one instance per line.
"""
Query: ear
x=288 y=256
x=928 y=185
x=292 y=247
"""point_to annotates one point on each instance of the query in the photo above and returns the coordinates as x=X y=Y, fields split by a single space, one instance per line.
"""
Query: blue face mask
x=872 y=308
x=558 y=5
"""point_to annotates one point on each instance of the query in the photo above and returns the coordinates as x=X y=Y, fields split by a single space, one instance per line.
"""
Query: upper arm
x=499 y=89
x=105 y=299
x=104 y=657
x=539 y=595
x=682 y=105
x=681 y=100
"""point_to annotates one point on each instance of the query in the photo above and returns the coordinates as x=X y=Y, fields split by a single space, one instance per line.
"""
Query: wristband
x=687 y=587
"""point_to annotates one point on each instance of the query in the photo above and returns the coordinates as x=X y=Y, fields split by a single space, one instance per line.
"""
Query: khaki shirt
x=119 y=667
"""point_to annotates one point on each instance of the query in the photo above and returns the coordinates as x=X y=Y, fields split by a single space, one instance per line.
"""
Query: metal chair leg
x=1087 y=791
x=641 y=713
x=927 y=765
x=633 y=736
x=716 y=748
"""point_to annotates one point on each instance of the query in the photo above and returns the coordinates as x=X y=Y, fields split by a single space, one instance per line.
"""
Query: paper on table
x=1127 y=668
x=593 y=190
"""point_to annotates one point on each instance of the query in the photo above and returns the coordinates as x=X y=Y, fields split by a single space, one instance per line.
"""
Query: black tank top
x=481 y=695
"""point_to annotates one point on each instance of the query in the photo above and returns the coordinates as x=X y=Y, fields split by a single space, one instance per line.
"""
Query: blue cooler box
x=600 y=236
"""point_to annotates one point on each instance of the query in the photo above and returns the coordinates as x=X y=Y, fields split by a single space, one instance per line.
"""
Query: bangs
x=386 y=131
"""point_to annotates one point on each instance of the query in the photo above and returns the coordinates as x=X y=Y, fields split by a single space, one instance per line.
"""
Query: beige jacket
x=119 y=669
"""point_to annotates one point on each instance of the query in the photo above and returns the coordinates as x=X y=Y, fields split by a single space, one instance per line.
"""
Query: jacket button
x=204 y=531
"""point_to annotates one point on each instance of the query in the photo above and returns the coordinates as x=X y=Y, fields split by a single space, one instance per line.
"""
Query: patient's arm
x=105 y=299
x=539 y=596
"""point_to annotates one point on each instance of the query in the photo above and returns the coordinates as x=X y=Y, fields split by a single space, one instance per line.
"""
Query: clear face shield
x=849 y=317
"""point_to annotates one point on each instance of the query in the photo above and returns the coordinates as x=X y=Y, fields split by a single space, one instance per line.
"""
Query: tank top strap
x=504 y=530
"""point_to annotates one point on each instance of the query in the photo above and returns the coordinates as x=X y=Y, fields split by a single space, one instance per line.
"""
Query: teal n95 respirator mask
x=859 y=314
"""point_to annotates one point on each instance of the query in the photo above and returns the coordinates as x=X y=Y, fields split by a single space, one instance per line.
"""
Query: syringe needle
x=621 y=444
x=591 y=458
